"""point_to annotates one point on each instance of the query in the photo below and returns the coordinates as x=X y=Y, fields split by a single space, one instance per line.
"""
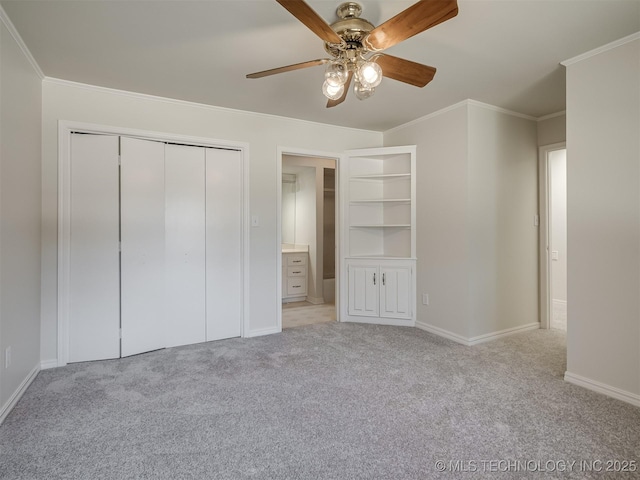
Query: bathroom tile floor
x=297 y=314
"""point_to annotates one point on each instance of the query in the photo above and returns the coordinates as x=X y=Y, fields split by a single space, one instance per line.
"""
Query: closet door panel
x=94 y=277
x=185 y=244
x=143 y=247
x=224 y=243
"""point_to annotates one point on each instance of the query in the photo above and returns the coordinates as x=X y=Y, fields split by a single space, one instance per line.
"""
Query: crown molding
x=551 y=115
x=186 y=103
x=463 y=103
x=428 y=116
x=18 y=39
x=500 y=110
x=602 y=49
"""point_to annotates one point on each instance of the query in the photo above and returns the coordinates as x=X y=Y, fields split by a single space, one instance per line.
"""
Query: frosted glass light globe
x=362 y=92
x=336 y=73
x=332 y=92
x=370 y=74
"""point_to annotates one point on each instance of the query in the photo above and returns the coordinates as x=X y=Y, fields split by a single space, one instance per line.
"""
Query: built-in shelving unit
x=381 y=203
x=380 y=235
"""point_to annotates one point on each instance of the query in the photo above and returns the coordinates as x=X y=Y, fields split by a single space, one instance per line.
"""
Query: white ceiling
x=502 y=52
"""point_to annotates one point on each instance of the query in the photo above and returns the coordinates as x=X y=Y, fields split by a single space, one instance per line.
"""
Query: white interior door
x=185 y=244
x=142 y=223
x=94 y=277
x=224 y=243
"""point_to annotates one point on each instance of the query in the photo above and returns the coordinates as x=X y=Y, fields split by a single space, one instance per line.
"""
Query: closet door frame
x=65 y=129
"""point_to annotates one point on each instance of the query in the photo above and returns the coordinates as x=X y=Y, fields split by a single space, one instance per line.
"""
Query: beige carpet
x=297 y=314
x=335 y=401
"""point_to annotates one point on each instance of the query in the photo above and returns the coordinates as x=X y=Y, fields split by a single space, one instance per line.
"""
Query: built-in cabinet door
x=395 y=301
x=142 y=223
x=94 y=276
x=185 y=244
x=363 y=290
x=224 y=243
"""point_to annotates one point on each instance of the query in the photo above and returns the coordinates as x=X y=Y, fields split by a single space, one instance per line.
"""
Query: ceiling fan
x=355 y=46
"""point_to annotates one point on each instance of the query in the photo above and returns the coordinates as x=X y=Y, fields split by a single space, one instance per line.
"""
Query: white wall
x=558 y=223
x=502 y=203
x=20 y=151
x=552 y=130
x=441 y=216
x=603 y=162
x=476 y=201
x=66 y=101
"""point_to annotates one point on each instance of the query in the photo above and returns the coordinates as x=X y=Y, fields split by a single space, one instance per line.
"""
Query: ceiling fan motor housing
x=352 y=29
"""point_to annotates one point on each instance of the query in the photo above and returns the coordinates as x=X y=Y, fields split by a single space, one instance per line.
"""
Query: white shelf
x=379 y=257
x=380 y=213
x=380 y=176
x=383 y=200
x=403 y=225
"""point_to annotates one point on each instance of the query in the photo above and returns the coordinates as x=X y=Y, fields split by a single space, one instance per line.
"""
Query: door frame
x=544 y=192
x=300 y=152
x=65 y=129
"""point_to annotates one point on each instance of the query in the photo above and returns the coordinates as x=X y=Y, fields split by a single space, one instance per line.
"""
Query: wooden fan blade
x=333 y=103
x=405 y=70
x=288 y=68
x=308 y=16
x=415 y=19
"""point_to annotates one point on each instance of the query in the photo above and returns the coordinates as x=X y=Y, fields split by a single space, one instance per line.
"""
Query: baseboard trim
x=315 y=300
x=602 y=388
x=479 y=339
x=442 y=332
x=7 y=407
x=503 y=333
x=47 y=364
x=263 y=331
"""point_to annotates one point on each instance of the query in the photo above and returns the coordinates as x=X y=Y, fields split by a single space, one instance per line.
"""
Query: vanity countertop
x=290 y=248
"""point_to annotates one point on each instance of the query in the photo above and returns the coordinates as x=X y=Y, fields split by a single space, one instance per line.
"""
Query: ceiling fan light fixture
x=355 y=45
x=370 y=74
x=332 y=92
x=336 y=73
x=362 y=92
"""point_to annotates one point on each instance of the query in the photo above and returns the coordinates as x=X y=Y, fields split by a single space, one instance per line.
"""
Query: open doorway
x=553 y=236
x=308 y=229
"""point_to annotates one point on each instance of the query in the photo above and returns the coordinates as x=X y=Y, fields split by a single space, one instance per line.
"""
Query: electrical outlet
x=425 y=299
x=7 y=357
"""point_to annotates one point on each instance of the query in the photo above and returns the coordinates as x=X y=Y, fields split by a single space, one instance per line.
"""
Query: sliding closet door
x=142 y=217
x=224 y=243
x=94 y=288
x=185 y=244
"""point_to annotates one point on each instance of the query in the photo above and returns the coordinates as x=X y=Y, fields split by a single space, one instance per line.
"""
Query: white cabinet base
x=294 y=276
x=380 y=291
